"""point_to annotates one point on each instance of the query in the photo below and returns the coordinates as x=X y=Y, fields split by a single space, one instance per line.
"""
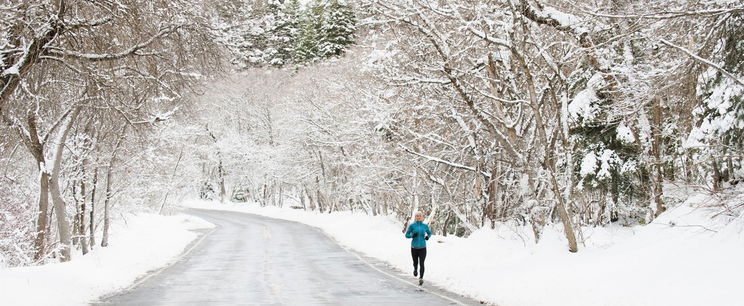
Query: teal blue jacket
x=420 y=229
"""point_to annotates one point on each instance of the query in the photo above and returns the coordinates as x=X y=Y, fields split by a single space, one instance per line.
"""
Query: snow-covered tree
x=719 y=133
x=337 y=29
x=70 y=63
x=279 y=33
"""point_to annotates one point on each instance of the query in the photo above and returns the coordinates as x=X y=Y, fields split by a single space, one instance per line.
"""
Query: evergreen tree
x=281 y=32
x=607 y=157
x=285 y=32
x=719 y=133
x=306 y=42
x=337 y=30
x=247 y=27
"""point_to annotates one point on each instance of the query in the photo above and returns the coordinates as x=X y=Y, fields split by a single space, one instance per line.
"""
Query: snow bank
x=137 y=245
x=677 y=260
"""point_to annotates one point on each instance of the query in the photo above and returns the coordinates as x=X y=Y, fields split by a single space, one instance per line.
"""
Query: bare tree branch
x=703 y=61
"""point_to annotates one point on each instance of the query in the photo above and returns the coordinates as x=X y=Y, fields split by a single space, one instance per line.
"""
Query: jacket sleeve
x=409 y=232
x=428 y=232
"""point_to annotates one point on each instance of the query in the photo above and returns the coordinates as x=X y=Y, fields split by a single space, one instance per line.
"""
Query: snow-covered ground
x=138 y=244
x=683 y=258
x=695 y=262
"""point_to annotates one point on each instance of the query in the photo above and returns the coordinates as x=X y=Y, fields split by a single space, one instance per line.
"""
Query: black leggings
x=419 y=256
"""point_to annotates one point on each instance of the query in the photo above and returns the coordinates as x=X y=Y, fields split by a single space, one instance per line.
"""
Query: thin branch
x=89 y=24
x=133 y=50
x=446 y=162
x=703 y=60
x=672 y=14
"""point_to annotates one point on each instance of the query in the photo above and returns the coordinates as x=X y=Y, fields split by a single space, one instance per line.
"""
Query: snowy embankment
x=697 y=261
x=138 y=244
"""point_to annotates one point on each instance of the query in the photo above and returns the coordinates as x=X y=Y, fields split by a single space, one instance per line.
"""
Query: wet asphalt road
x=253 y=260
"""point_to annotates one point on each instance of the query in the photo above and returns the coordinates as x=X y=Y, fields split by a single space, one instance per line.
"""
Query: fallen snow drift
x=137 y=245
x=658 y=264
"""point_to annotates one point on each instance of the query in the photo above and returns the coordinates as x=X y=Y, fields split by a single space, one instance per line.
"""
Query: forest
x=478 y=113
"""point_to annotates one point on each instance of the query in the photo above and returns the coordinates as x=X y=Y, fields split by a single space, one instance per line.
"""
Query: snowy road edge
x=149 y=274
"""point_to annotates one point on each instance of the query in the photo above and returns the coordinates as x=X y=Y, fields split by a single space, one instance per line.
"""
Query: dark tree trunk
x=658 y=178
x=76 y=218
x=81 y=218
x=492 y=197
x=106 y=206
x=42 y=219
x=91 y=225
x=32 y=142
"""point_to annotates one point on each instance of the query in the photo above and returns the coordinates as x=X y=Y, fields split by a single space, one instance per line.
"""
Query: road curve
x=254 y=260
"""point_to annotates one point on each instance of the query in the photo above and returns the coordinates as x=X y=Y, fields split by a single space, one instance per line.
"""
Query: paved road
x=253 y=260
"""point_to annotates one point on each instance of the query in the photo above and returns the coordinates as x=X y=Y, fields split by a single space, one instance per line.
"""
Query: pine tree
x=337 y=30
x=607 y=154
x=720 y=116
x=281 y=32
x=306 y=42
x=285 y=32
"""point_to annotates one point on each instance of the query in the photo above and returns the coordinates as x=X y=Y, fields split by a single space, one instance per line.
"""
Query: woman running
x=420 y=233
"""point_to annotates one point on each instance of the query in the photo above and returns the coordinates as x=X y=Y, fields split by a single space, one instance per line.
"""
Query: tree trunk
x=63 y=225
x=76 y=218
x=319 y=200
x=281 y=196
x=492 y=197
x=415 y=199
x=716 y=175
x=309 y=195
x=109 y=193
x=265 y=195
x=431 y=219
x=81 y=218
x=220 y=168
x=173 y=176
x=658 y=179
x=302 y=198
x=32 y=142
x=221 y=172
x=91 y=225
x=42 y=219
x=445 y=224
x=106 y=201
x=568 y=228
